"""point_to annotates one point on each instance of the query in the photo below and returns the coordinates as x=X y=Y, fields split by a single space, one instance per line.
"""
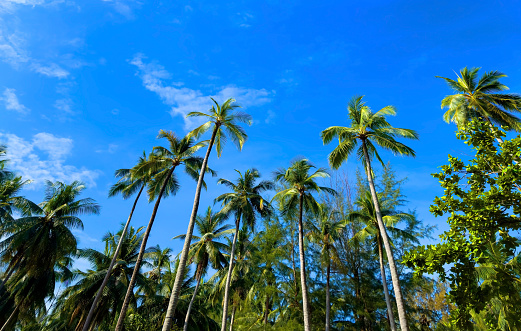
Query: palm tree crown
x=369 y=128
x=481 y=98
x=225 y=119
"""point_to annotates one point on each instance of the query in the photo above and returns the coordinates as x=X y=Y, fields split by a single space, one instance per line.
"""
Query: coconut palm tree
x=160 y=258
x=367 y=215
x=368 y=128
x=223 y=120
x=301 y=184
x=77 y=298
x=207 y=250
x=245 y=203
x=162 y=164
x=42 y=245
x=481 y=99
x=127 y=186
x=325 y=235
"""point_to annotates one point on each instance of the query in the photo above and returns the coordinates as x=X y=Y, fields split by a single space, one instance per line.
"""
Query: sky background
x=85 y=86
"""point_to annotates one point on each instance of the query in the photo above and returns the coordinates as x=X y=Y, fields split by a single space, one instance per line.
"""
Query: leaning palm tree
x=367 y=215
x=222 y=119
x=299 y=195
x=127 y=185
x=41 y=243
x=162 y=164
x=325 y=235
x=207 y=250
x=74 y=301
x=245 y=203
x=481 y=99
x=368 y=127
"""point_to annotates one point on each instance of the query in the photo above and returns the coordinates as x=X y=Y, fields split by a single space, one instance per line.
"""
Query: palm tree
x=206 y=250
x=127 y=185
x=390 y=217
x=299 y=194
x=481 y=99
x=160 y=258
x=368 y=127
x=223 y=119
x=75 y=299
x=41 y=243
x=162 y=164
x=245 y=202
x=325 y=235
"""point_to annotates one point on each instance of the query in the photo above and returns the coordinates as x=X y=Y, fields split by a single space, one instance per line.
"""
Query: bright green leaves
x=482 y=198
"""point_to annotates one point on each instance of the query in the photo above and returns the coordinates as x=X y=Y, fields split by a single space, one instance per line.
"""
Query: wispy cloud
x=245 y=19
x=52 y=70
x=124 y=7
x=111 y=149
x=43 y=158
x=11 y=101
x=183 y=100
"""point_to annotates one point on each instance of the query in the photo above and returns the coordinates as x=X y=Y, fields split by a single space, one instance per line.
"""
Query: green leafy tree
x=162 y=164
x=41 y=245
x=367 y=215
x=482 y=198
x=298 y=197
x=207 y=250
x=368 y=128
x=481 y=98
x=223 y=121
x=244 y=203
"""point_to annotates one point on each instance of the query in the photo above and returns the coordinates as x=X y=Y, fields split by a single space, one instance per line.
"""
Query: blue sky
x=86 y=85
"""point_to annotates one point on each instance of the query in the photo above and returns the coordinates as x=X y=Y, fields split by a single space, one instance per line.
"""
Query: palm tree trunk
x=112 y=262
x=130 y=289
x=266 y=310
x=328 y=304
x=174 y=296
x=229 y=277
x=232 y=318
x=187 y=318
x=392 y=266
x=10 y=319
x=305 y=302
x=384 y=282
x=9 y=274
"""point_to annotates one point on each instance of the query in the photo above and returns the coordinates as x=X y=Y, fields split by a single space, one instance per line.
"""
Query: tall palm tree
x=162 y=164
x=222 y=119
x=299 y=194
x=390 y=217
x=325 y=235
x=246 y=203
x=160 y=258
x=75 y=299
x=368 y=127
x=41 y=243
x=481 y=99
x=207 y=250
x=127 y=186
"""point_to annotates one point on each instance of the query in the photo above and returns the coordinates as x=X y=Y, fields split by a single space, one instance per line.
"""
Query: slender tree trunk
x=130 y=289
x=10 y=319
x=174 y=296
x=112 y=262
x=305 y=302
x=328 y=304
x=392 y=266
x=229 y=276
x=384 y=282
x=266 y=310
x=232 y=318
x=9 y=274
x=187 y=318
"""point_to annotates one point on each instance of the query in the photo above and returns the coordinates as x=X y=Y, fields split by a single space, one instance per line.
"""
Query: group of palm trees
x=38 y=247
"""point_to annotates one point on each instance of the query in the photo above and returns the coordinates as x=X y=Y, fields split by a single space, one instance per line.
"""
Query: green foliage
x=482 y=200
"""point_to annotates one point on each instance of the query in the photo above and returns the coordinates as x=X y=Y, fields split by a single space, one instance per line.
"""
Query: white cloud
x=124 y=7
x=52 y=70
x=64 y=105
x=43 y=158
x=111 y=149
x=270 y=117
x=12 y=103
x=183 y=100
